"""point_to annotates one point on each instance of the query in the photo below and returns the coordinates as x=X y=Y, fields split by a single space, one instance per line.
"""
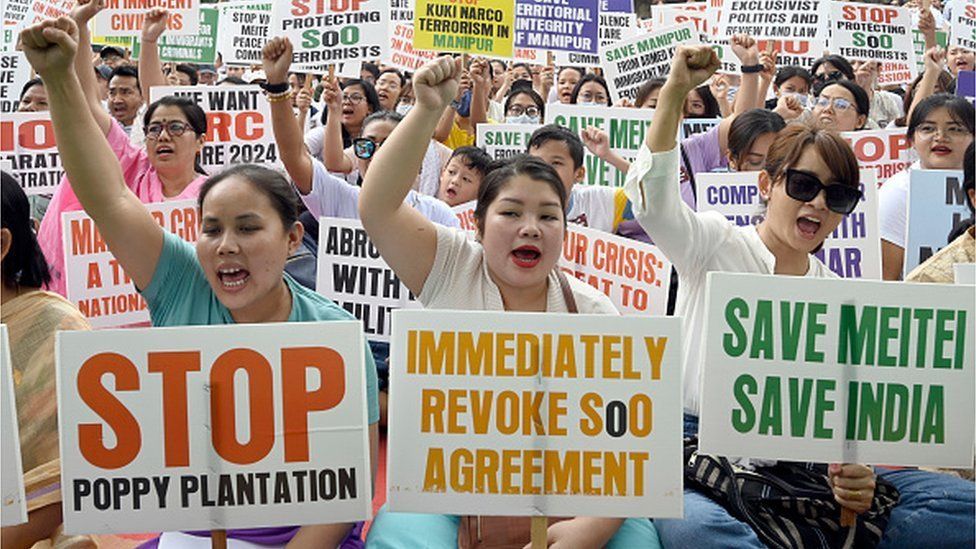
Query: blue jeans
x=934 y=510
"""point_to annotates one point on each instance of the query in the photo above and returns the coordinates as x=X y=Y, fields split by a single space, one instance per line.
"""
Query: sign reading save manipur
x=523 y=414
x=212 y=427
x=848 y=371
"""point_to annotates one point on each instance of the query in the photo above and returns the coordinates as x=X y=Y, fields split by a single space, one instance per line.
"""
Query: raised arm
x=480 y=88
x=934 y=63
x=598 y=142
x=744 y=47
x=150 y=69
x=82 y=13
x=691 y=66
x=96 y=177
x=333 y=156
x=406 y=239
x=276 y=57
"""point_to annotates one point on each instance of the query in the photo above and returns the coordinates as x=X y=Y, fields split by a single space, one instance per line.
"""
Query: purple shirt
x=703 y=154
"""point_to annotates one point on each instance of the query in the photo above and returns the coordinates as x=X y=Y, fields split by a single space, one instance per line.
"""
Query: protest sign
x=125 y=17
x=484 y=27
x=13 y=505
x=695 y=126
x=626 y=128
x=465 y=215
x=963 y=26
x=214 y=427
x=401 y=11
x=200 y=48
x=570 y=25
x=27 y=141
x=15 y=71
x=617 y=22
x=634 y=275
x=238 y=124
x=243 y=32
x=964 y=273
x=838 y=371
x=504 y=140
x=805 y=20
x=630 y=63
x=487 y=418
x=670 y=15
x=936 y=204
x=885 y=151
x=121 y=42
x=966 y=85
x=13 y=17
x=352 y=273
x=49 y=9
x=326 y=33
x=95 y=282
x=872 y=32
x=401 y=53
x=853 y=250
x=918 y=39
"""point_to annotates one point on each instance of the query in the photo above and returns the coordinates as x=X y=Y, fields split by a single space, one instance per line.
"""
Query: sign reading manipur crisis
x=579 y=415
x=484 y=27
x=13 y=503
x=869 y=32
x=852 y=250
x=936 y=204
x=401 y=54
x=626 y=128
x=570 y=25
x=630 y=63
x=126 y=17
x=200 y=48
x=213 y=427
x=886 y=151
x=803 y=24
x=813 y=369
x=329 y=32
x=243 y=31
x=15 y=71
x=352 y=273
x=27 y=141
x=505 y=140
x=95 y=282
x=963 y=26
x=238 y=124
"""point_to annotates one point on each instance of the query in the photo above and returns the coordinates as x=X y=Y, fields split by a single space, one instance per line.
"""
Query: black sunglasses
x=364 y=147
x=832 y=75
x=805 y=186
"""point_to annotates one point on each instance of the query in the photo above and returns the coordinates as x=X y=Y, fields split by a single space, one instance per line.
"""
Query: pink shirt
x=140 y=177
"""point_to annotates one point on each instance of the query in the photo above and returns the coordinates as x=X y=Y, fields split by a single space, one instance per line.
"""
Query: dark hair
x=193 y=113
x=500 y=172
x=944 y=80
x=712 y=109
x=473 y=157
x=861 y=101
x=792 y=71
x=188 y=70
x=842 y=64
x=272 y=183
x=128 y=71
x=372 y=101
x=646 y=89
x=535 y=97
x=30 y=84
x=525 y=66
x=403 y=79
x=372 y=69
x=960 y=109
x=836 y=153
x=236 y=80
x=590 y=77
x=382 y=116
x=553 y=132
x=579 y=70
x=300 y=76
x=968 y=173
x=24 y=264
x=749 y=126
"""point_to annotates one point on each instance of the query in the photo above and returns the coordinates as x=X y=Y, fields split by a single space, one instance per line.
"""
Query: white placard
x=27 y=141
x=629 y=63
x=242 y=31
x=126 y=18
x=887 y=152
x=327 y=33
x=15 y=71
x=505 y=140
x=13 y=506
x=936 y=204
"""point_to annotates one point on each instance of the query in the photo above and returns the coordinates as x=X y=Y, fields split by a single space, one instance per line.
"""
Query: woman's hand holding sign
x=853 y=485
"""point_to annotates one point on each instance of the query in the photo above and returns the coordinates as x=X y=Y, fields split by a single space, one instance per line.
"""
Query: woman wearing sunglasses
x=165 y=168
x=831 y=68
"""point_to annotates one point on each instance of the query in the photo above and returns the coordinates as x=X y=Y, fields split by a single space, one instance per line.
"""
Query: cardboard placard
x=13 y=502
x=95 y=283
x=964 y=273
x=505 y=140
x=838 y=371
x=126 y=17
x=886 y=151
x=352 y=273
x=15 y=71
x=629 y=63
x=617 y=22
x=483 y=27
x=213 y=427
x=490 y=418
x=27 y=141
x=200 y=48
x=13 y=16
x=327 y=33
x=401 y=11
x=401 y=53
x=936 y=204
x=570 y=25
x=243 y=31
x=695 y=126
x=798 y=29
x=963 y=26
x=871 y=32
x=966 y=85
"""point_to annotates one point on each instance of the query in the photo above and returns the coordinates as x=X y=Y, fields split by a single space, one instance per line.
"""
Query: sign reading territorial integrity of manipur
x=329 y=32
x=126 y=17
x=570 y=25
x=936 y=204
x=869 y=32
x=525 y=414
x=617 y=22
x=27 y=141
x=845 y=371
x=238 y=124
x=483 y=27
x=629 y=63
x=13 y=503
x=212 y=427
x=352 y=273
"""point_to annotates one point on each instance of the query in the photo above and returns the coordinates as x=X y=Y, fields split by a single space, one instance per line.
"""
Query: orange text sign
x=27 y=141
x=527 y=414
x=127 y=17
x=213 y=427
x=887 y=152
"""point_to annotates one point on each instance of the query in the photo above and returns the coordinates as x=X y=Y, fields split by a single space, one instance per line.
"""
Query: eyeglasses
x=839 y=103
x=805 y=186
x=174 y=128
x=825 y=76
x=953 y=131
x=353 y=98
x=364 y=147
x=519 y=110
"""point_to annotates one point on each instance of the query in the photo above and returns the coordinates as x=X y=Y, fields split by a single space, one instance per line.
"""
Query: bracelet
x=279 y=97
x=275 y=88
x=750 y=69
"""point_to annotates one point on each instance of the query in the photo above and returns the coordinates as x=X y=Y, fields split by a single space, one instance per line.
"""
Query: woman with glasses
x=524 y=106
x=166 y=168
x=831 y=68
x=841 y=106
x=591 y=90
x=347 y=107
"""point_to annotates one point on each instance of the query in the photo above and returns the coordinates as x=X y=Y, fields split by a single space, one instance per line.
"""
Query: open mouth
x=526 y=256
x=164 y=150
x=941 y=151
x=232 y=278
x=808 y=226
x=347 y=111
x=451 y=192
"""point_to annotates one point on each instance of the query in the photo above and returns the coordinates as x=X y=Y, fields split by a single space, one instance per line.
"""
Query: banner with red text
x=126 y=17
x=27 y=142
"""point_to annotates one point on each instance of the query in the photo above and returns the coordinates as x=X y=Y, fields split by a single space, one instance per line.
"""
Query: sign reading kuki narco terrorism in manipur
x=484 y=27
x=213 y=427
x=517 y=414
x=852 y=371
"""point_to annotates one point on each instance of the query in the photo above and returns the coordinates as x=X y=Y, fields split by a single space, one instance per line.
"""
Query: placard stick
x=848 y=518
x=218 y=539
x=331 y=73
x=540 y=532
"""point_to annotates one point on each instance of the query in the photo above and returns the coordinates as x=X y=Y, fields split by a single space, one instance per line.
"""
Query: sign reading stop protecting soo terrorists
x=963 y=26
x=488 y=417
x=199 y=49
x=570 y=25
x=887 y=152
x=481 y=27
x=15 y=71
x=27 y=141
x=126 y=17
x=801 y=23
x=630 y=63
x=869 y=32
x=853 y=250
x=402 y=55
x=238 y=124
x=328 y=33
x=625 y=127
x=936 y=204
x=505 y=140
x=13 y=505
x=352 y=273
x=243 y=32
x=214 y=427
x=94 y=280
x=812 y=369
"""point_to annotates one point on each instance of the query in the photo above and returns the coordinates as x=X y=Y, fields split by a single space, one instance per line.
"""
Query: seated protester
x=566 y=80
x=33 y=97
x=591 y=90
x=234 y=273
x=962 y=248
x=520 y=207
x=841 y=106
x=165 y=168
x=886 y=107
x=791 y=80
x=524 y=106
x=33 y=318
x=940 y=131
x=648 y=92
x=462 y=176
